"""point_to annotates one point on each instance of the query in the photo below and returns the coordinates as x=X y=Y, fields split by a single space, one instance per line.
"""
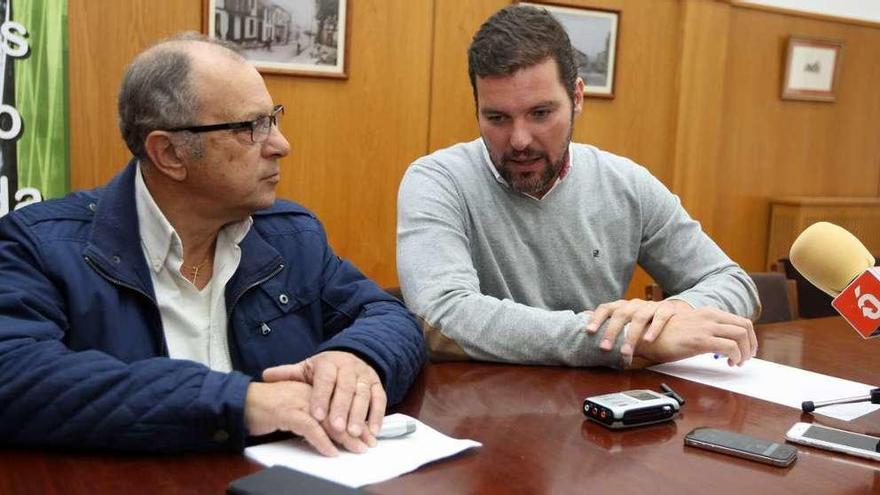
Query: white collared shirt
x=194 y=321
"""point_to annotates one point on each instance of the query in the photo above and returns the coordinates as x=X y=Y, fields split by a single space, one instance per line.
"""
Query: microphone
x=832 y=259
x=873 y=397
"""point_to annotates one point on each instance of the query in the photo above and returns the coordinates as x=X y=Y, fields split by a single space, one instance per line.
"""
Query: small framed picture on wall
x=303 y=37
x=593 y=34
x=811 y=69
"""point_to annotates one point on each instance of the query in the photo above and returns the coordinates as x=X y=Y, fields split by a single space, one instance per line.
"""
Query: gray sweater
x=507 y=277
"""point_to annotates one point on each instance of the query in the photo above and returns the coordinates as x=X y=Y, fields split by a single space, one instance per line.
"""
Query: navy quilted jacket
x=83 y=360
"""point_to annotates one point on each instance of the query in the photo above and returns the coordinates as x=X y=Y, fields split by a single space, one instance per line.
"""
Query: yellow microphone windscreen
x=829 y=257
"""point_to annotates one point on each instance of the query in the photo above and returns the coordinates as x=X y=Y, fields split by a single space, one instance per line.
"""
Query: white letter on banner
x=15 y=122
x=15 y=44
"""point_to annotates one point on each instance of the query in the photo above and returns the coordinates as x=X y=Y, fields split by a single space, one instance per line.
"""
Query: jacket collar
x=115 y=249
x=114 y=244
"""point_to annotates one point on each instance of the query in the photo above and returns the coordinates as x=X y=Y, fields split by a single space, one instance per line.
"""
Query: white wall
x=867 y=10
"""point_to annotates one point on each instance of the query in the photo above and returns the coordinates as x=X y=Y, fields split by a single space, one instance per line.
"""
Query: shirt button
x=221 y=436
x=264 y=329
x=93 y=206
x=283 y=299
x=117 y=260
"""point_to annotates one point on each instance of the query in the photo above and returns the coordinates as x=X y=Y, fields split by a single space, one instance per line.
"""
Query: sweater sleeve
x=685 y=261
x=440 y=284
x=51 y=395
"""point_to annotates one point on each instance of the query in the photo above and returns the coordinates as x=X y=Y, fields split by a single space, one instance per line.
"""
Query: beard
x=531 y=183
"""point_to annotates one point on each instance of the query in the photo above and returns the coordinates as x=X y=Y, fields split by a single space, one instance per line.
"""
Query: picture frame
x=593 y=33
x=812 y=67
x=302 y=37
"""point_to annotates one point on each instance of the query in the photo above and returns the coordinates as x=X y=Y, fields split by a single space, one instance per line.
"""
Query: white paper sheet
x=773 y=382
x=391 y=457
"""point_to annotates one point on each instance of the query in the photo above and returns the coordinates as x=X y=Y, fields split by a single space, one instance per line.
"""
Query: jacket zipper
x=120 y=283
x=229 y=339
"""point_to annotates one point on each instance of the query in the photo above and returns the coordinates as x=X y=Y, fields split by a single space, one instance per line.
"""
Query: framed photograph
x=593 y=34
x=304 y=37
x=811 y=69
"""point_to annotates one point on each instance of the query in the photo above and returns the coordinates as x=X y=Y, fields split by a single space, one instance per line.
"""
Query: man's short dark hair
x=520 y=36
x=157 y=91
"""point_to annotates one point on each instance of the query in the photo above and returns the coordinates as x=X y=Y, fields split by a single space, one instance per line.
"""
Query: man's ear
x=578 y=95
x=167 y=157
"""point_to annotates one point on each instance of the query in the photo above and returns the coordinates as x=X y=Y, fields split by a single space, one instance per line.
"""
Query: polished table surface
x=535 y=439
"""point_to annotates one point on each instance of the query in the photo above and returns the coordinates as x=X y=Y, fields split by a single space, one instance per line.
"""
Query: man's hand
x=345 y=391
x=284 y=406
x=700 y=331
x=646 y=319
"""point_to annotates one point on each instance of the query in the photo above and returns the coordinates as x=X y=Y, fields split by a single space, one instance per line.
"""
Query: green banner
x=33 y=116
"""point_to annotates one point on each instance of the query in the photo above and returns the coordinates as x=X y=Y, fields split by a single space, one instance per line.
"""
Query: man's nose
x=521 y=136
x=276 y=144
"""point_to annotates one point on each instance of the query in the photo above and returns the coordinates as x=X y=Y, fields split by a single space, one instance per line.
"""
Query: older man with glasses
x=143 y=315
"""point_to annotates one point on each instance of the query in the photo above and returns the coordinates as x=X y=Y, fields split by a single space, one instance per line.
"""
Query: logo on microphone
x=869 y=304
x=859 y=304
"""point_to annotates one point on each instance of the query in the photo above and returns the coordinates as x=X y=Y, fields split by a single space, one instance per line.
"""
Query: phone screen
x=843 y=438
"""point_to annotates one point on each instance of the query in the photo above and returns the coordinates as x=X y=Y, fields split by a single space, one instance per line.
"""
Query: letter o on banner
x=15 y=119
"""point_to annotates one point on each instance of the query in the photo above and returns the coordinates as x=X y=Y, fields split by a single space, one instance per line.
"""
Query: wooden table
x=535 y=439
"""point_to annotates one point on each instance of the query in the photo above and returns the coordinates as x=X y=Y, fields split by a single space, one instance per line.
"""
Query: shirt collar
x=158 y=237
x=566 y=167
x=157 y=234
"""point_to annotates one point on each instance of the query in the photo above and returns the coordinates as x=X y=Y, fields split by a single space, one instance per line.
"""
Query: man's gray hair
x=157 y=91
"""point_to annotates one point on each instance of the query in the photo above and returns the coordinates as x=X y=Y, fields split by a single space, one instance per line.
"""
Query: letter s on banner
x=14 y=43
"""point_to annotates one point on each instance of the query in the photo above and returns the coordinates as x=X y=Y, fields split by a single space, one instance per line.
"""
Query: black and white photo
x=306 y=37
x=593 y=34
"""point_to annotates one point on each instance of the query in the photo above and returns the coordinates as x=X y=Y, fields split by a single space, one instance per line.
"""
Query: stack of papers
x=390 y=458
x=773 y=382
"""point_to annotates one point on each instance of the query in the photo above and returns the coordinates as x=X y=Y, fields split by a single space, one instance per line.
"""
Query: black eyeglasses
x=259 y=127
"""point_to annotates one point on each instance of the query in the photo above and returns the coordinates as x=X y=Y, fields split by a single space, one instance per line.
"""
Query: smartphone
x=837 y=440
x=739 y=445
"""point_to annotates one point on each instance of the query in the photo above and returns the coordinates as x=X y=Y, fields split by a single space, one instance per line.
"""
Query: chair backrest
x=778 y=297
x=812 y=302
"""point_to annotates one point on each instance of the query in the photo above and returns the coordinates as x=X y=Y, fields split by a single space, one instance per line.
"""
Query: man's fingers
x=360 y=404
x=642 y=315
x=295 y=372
x=350 y=443
x=378 y=402
x=323 y=383
x=726 y=347
x=753 y=339
x=661 y=317
x=343 y=394
x=742 y=337
x=306 y=426
x=728 y=318
x=602 y=312
x=637 y=313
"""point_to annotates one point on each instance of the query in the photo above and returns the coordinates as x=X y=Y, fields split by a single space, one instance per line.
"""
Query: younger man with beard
x=517 y=247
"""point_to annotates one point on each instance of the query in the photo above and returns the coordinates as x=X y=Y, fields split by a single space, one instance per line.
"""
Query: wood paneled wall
x=773 y=147
x=696 y=101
